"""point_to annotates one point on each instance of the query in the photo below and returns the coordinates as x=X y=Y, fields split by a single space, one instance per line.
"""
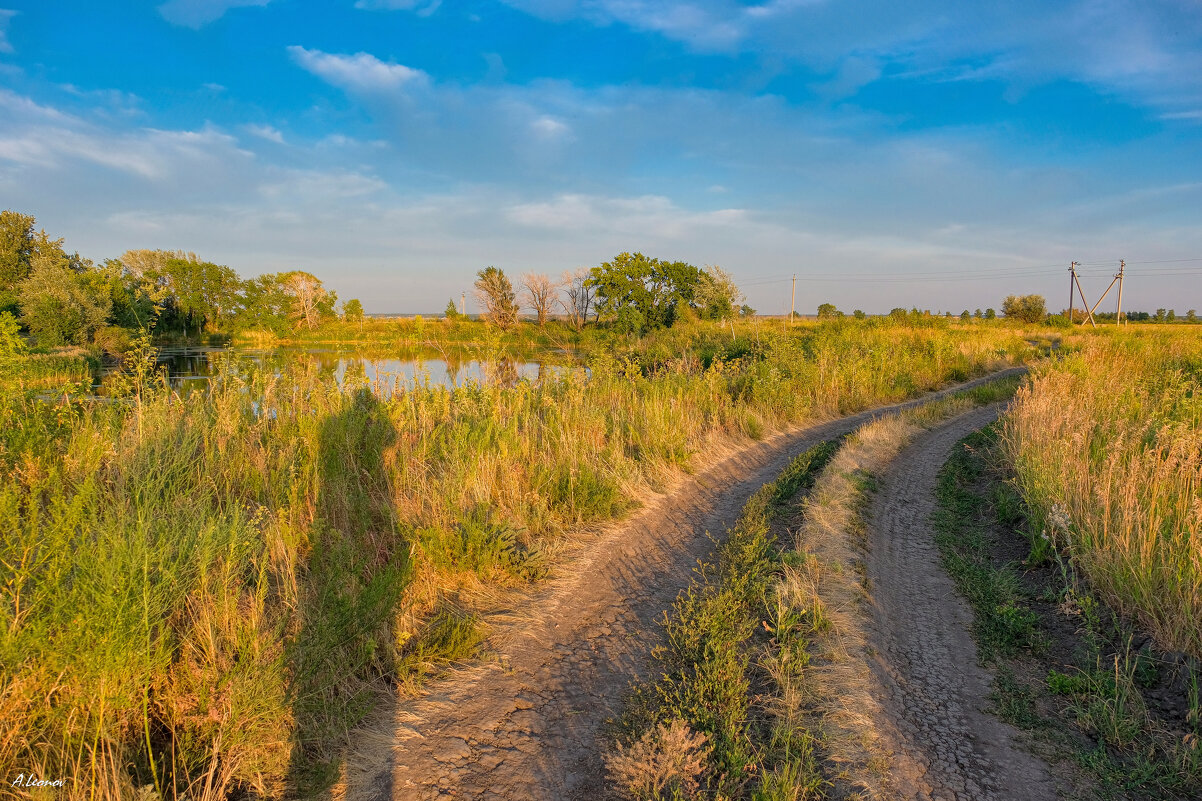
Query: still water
x=189 y=368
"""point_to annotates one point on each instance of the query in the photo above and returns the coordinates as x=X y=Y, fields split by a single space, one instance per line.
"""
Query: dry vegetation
x=202 y=595
x=1107 y=446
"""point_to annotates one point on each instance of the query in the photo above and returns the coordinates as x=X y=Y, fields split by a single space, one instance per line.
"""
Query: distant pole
x=463 y=303
x=1072 y=278
x=793 y=301
x=1118 y=312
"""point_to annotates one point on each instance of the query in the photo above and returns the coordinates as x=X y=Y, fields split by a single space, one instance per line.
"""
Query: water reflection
x=189 y=369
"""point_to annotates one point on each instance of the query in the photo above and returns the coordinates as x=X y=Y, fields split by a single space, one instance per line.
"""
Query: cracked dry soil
x=946 y=745
x=530 y=724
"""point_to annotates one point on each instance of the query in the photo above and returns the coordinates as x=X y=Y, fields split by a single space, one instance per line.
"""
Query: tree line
x=61 y=298
x=633 y=292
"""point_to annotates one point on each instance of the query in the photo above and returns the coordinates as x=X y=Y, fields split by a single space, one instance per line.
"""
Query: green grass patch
x=708 y=666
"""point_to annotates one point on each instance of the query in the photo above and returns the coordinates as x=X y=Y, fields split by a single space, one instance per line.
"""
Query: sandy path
x=945 y=745
x=528 y=726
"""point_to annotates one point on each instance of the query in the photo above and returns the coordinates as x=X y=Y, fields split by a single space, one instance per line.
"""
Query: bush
x=1026 y=308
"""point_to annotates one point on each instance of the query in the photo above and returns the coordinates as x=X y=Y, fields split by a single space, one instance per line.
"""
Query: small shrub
x=667 y=762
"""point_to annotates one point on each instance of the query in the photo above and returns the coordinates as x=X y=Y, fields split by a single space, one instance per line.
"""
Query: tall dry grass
x=1107 y=447
x=202 y=595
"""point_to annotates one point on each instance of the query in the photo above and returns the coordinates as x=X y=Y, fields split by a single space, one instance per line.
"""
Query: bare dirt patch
x=529 y=724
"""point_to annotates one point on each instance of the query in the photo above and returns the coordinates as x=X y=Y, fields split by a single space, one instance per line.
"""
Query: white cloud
x=198 y=13
x=264 y=132
x=361 y=72
x=6 y=16
x=423 y=8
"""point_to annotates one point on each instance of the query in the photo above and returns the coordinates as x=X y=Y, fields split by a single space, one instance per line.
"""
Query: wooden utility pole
x=463 y=303
x=793 y=301
x=1118 y=312
x=1072 y=277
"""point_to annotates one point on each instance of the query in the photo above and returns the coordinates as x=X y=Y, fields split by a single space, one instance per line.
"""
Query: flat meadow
x=202 y=594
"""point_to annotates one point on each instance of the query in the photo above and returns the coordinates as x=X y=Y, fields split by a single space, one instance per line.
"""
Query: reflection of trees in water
x=502 y=371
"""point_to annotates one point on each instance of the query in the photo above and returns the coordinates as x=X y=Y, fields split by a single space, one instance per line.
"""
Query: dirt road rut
x=946 y=746
x=528 y=726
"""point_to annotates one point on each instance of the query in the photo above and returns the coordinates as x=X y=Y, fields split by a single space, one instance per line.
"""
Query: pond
x=190 y=368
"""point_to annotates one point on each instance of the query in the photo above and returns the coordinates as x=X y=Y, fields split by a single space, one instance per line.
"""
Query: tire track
x=946 y=746
x=529 y=725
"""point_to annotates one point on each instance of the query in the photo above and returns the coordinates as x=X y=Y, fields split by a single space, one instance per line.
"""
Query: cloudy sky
x=888 y=153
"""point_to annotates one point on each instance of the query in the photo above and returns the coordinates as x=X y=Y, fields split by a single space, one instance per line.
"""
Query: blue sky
x=891 y=154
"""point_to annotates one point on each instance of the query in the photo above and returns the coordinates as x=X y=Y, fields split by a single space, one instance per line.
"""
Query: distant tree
x=450 y=312
x=1160 y=315
x=58 y=306
x=827 y=311
x=1191 y=316
x=965 y=316
x=716 y=296
x=977 y=314
x=746 y=311
x=352 y=311
x=990 y=314
x=1026 y=308
x=581 y=296
x=898 y=313
x=494 y=292
x=311 y=301
x=1172 y=316
x=649 y=290
x=859 y=314
x=541 y=293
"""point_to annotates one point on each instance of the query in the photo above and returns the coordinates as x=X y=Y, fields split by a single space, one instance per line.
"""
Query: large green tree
x=59 y=305
x=1026 y=308
x=643 y=293
x=16 y=249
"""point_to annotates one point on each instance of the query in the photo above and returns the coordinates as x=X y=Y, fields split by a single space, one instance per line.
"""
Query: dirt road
x=529 y=726
x=945 y=745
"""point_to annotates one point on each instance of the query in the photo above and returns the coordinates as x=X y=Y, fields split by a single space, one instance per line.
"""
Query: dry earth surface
x=529 y=725
x=945 y=744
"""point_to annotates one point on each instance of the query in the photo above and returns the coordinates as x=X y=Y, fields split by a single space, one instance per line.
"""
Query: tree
x=1172 y=315
x=541 y=293
x=1027 y=308
x=977 y=314
x=12 y=344
x=716 y=296
x=16 y=248
x=649 y=290
x=1191 y=316
x=1160 y=314
x=827 y=311
x=990 y=314
x=746 y=312
x=580 y=296
x=58 y=307
x=450 y=313
x=965 y=316
x=899 y=314
x=494 y=292
x=859 y=314
x=311 y=302
x=352 y=311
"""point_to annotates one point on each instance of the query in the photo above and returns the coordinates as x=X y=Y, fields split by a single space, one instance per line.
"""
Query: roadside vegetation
x=1107 y=448
x=1097 y=696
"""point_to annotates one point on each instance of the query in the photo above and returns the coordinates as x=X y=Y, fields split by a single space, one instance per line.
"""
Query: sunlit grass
x=204 y=594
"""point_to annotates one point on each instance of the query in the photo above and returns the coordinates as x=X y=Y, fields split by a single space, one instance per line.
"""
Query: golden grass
x=1107 y=447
